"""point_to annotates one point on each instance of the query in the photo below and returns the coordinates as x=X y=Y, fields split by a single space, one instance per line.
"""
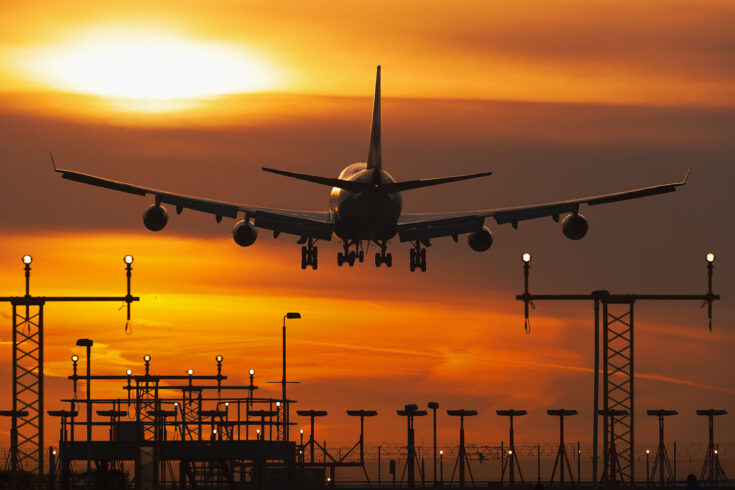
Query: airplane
x=365 y=206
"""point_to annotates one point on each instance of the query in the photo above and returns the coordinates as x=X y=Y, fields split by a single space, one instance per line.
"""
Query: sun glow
x=148 y=66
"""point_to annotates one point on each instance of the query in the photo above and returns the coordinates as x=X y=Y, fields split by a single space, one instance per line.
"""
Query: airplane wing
x=311 y=224
x=412 y=227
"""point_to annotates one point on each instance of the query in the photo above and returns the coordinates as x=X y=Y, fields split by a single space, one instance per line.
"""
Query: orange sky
x=558 y=103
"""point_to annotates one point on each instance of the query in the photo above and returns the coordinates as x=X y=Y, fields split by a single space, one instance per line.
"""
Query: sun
x=149 y=66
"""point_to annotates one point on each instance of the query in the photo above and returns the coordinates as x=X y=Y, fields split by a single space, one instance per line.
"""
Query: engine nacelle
x=155 y=217
x=244 y=233
x=480 y=240
x=574 y=226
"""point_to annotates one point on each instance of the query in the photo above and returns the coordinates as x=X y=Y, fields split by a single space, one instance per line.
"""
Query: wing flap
x=293 y=225
x=422 y=230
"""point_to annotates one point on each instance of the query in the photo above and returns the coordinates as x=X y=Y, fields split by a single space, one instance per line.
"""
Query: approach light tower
x=26 y=443
x=615 y=311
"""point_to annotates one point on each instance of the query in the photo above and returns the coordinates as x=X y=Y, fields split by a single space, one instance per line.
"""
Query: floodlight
x=294 y=315
x=85 y=343
x=75 y=358
x=252 y=371
x=128 y=259
x=27 y=259
x=218 y=358
x=710 y=257
x=189 y=372
x=129 y=372
x=526 y=257
x=147 y=358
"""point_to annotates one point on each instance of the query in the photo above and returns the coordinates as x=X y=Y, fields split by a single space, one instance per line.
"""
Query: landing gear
x=418 y=257
x=309 y=254
x=349 y=256
x=382 y=257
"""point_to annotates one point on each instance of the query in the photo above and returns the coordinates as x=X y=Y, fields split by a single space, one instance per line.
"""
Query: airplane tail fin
x=375 y=158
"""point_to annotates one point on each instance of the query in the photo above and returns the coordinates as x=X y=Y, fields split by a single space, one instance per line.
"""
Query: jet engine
x=574 y=226
x=244 y=233
x=480 y=240
x=155 y=217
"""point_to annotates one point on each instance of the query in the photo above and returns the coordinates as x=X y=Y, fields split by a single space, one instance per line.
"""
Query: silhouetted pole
x=284 y=400
x=88 y=343
x=312 y=414
x=411 y=411
x=661 y=460
x=462 y=456
x=612 y=466
x=512 y=461
x=562 y=458
x=711 y=467
x=434 y=406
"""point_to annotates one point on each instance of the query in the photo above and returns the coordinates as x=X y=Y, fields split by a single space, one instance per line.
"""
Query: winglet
x=686 y=177
x=53 y=162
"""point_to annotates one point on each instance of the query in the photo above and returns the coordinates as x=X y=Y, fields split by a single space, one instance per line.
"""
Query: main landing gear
x=309 y=253
x=349 y=256
x=418 y=256
x=382 y=257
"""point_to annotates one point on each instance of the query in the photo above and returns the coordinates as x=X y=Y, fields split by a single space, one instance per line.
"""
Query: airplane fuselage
x=371 y=215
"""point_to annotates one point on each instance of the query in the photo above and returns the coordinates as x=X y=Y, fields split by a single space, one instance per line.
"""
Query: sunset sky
x=558 y=102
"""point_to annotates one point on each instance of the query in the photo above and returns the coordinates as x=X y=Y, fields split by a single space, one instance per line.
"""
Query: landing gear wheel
x=303 y=258
x=378 y=260
x=417 y=257
x=361 y=256
x=309 y=255
x=314 y=258
x=351 y=258
x=389 y=260
x=381 y=257
x=340 y=259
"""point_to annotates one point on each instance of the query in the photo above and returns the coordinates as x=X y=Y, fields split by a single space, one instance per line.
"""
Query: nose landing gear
x=309 y=253
x=417 y=256
x=382 y=257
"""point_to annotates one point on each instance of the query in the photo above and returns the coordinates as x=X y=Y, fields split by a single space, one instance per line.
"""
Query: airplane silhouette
x=365 y=206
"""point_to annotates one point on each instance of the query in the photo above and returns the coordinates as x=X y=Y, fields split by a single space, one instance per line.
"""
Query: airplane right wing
x=310 y=224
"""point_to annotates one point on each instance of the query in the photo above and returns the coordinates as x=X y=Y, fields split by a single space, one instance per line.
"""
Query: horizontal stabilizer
x=389 y=187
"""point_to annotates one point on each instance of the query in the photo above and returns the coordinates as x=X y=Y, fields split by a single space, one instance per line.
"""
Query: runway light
x=129 y=372
x=128 y=259
x=301 y=431
x=715 y=451
x=176 y=404
x=526 y=257
x=329 y=478
x=219 y=358
x=147 y=358
x=710 y=257
x=278 y=404
x=214 y=431
x=648 y=452
x=189 y=372
x=252 y=371
x=441 y=451
x=227 y=404
x=75 y=358
x=510 y=452
x=27 y=259
x=54 y=451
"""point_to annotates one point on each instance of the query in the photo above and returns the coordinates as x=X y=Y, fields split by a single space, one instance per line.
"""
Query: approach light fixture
x=147 y=358
x=441 y=451
x=293 y=315
x=227 y=404
x=219 y=358
x=526 y=257
x=648 y=452
x=189 y=372
x=27 y=259
x=54 y=452
x=710 y=257
x=128 y=259
x=278 y=404
x=715 y=451
x=176 y=404
x=214 y=431
x=74 y=358
x=129 y=372
x=301 y=431
x=252 y=371
x=510 y=451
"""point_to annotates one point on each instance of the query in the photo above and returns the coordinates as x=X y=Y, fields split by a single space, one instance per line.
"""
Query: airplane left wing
x=412 y=227
x=311 y=224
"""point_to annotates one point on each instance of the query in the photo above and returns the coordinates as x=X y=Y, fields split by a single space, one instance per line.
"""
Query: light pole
x=647 y=469
x=441 y=467
x=88 y=343
x=290 y=316
x=434 y=406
